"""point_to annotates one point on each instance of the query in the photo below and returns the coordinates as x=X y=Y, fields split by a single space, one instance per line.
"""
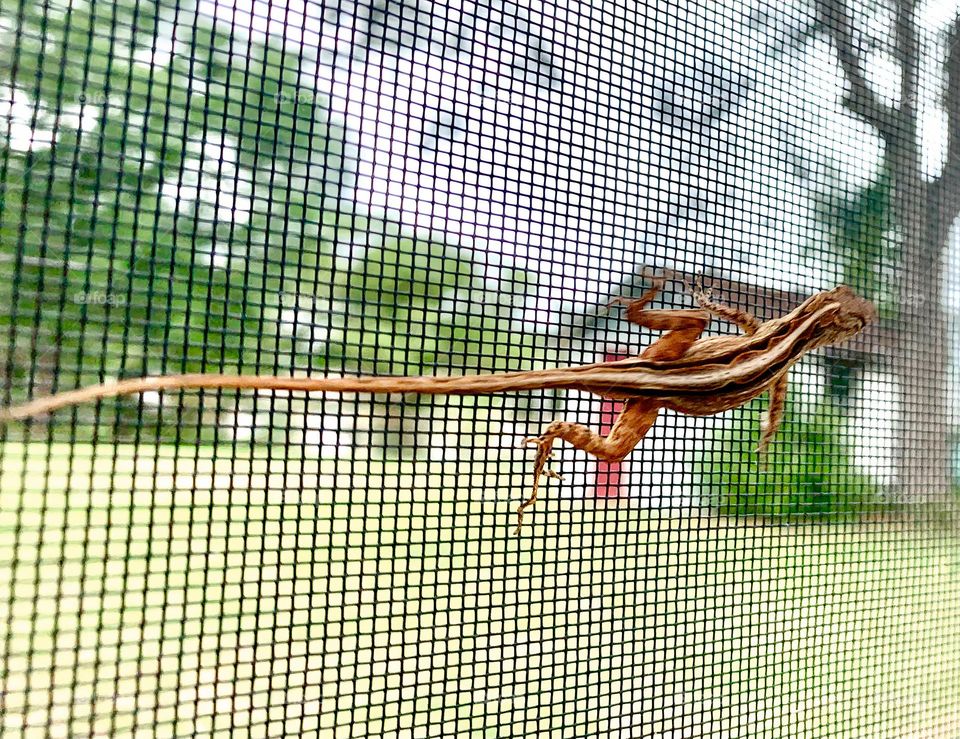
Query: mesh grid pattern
x=417 y=187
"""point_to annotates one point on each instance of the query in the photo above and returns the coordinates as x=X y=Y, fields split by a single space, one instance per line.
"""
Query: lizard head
x=846 y=314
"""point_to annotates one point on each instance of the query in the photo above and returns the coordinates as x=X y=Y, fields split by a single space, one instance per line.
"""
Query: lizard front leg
x=771 y=421
x=747 y=322
x=636 y=418
x=778 y=388
x=683 y=327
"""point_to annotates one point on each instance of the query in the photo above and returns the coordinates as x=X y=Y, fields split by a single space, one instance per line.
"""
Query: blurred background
x=417 y=187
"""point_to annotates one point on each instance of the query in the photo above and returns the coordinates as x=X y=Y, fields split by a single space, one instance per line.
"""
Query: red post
x=608 y=473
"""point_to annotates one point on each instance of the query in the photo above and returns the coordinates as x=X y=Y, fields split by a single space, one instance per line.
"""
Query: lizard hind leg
x=635 y=420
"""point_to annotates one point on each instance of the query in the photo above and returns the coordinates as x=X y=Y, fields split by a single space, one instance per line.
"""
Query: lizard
x=680 y=371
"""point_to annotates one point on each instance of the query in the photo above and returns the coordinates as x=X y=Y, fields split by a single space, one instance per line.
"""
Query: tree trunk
x=923 y=212
x=923 y=455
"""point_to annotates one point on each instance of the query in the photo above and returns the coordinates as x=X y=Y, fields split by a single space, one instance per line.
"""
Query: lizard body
x=680 y=371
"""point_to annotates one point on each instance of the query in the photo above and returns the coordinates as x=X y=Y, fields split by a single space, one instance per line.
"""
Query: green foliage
x=861 y=226
x=400 y=302
x=414 y=303
x=806 y=471
x=159 y=211
x=180 y=209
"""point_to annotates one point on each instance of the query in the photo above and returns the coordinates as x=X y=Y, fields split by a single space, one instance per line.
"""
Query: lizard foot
x=650 y=273
x=543 y=444
x=539 y=441
x=762 y=457
x=700 y=293
x=657 y=282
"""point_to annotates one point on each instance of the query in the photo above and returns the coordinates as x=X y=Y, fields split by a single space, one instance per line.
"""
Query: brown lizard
x=679 y=371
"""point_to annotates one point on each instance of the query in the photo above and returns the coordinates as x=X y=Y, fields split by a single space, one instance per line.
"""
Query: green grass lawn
x=161 y=592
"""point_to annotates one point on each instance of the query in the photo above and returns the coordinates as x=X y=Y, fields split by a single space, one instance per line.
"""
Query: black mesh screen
x=449 y=188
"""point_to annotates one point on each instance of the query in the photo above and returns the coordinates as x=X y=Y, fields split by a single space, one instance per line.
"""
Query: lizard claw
x=619 y=300
x=702 y=294
x=538 y=441
x=649 y=273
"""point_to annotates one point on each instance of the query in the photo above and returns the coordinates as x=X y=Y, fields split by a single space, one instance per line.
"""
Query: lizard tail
x=424 y=385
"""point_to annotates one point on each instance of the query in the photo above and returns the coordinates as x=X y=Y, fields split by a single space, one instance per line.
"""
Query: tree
x=923 y=211
x=151 y=207
x=189 y=212
x=860 y=236
x=409 y=302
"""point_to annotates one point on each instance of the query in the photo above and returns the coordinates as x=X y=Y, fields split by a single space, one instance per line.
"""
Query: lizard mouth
x=847 y=315
x=854 y=311
x=868 y=312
